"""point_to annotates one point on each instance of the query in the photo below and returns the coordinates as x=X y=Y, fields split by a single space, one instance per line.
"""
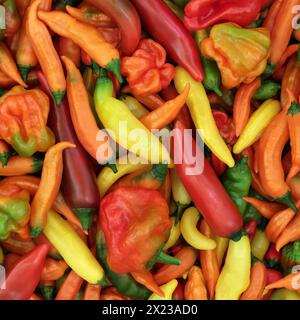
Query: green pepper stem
x=35 y=231
x=114 y=67
x=113 y=167
x=24 y=70
x=236 y=236
x=85 y=215
x=4 y=157
x=287 y=200
x=166 y=259
x=58 y=96
x=180 y=208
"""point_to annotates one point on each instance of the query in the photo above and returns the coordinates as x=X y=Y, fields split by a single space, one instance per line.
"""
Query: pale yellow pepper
x=72 y=248
x=258 y=121
x=134 y=106
x=174 y=234
x=260 y=244
x=222 y=245
x=190 y=233
x=202 y=116
x=167 y=289
x=235 y=275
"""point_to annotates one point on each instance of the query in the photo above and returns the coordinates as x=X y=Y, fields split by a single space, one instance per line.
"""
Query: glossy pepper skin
x=201 y=14
x=213 y=202
x=127 y=19
x=79 y=181
x=23 y=119
x=169 y=31
x=14 y=210
x=226 y=45
x=146 y=70
x=25 y=276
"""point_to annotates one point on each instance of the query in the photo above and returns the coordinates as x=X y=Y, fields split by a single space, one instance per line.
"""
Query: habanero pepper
x=213 y=197
x=195 y=287
x=170 y=32
x=290 y=256
x=79 y=182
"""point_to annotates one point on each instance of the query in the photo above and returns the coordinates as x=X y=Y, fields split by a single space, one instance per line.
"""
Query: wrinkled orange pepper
x=195 y=286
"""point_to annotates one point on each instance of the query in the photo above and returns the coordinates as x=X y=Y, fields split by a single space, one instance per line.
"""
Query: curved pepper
x=174 y=235
x=146 y=70
x=167 y=290
x=14 y=210
x=227 y=45
x=260 y=244
x=267 y=90
x=134 y=106
x=201 y=14
x=202 y=116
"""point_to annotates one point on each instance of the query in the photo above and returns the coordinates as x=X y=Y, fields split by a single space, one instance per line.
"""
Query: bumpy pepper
x=23 y=118
x=14 y=210
x=290 y=255
x=241 y=54
x=146 y=70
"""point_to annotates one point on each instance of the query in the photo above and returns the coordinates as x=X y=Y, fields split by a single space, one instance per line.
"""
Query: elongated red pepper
x=200 y=14
x=169 y=31
x=78 y=182
x=212 y=201
x=127 y=19
x=25 y=276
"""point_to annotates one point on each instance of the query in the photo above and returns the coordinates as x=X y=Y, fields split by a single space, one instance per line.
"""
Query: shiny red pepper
x=127 y=19
x=272 y=276
x=250 y=227
x=178 y=294
x=200 y=14
x=213 y=201
x=272 y=257
x=168 y=30
x=23 y=279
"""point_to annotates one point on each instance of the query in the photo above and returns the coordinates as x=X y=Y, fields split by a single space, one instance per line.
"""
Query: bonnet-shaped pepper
x=23 y=118
x=146 y=70
x=241 y=54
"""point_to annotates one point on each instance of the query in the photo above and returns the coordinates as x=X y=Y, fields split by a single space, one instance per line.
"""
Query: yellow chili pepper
x=222 y=245
x=260 y=244
x=107 y=177
x=1 y=256
x=73 y=250
x=180 y=195
x=174 y=235
x=167 y=290
x=190 y=233
x=134 y=106
x=258 y=121
x=202 y=116
x=235 y=275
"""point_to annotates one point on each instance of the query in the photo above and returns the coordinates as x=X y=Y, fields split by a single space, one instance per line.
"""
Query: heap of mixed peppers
x=75 y=224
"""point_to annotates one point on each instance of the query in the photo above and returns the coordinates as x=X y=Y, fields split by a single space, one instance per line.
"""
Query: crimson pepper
x=200 y=14
x=250 y=227
x=218 y=165
x=273 y=257
x=272 y=276
x=168 y=30
x=125 y=16
x=79 y=181
x=225 y=126
x=23 y=279
x=204 y=187
x=178 y=293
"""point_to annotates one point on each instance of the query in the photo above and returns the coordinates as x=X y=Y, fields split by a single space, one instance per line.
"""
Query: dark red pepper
x=200 y=14
x=178 y=293
x=272 y=257
x=25 y=276
x=127 y=19
x=168 y=30
x=79 y=180
x=272 y=276
x=250 y=227
x=218 y=165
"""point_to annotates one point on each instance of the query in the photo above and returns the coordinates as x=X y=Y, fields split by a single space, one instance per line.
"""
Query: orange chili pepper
x=112 y=294
x=82 y=116
x=166 y=113
x=86 y=37
x=91 y=15
x=278 y=223
x=291 y=79
x=42 y=239
x=266 y=209
x=271 y=15
x=195 y=286
x=290 y=50
x=17 y=246
x=187 y=256
x=70 y=287
x=146 y=279
x=271 y=172
x=258 y=280
x=5 y=80
x=282 y=29
x=290 y=233
x=92 y=292
x=53 y=269
x=69 y=49
x=209 y=262
x=290 y=282
x=242 y=105
x=294 y=185
x=17 y=165
x=8 y=66
x=44 y=50
x=48 y=187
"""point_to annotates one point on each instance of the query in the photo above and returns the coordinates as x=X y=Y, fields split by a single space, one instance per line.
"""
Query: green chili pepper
x=212 y=78
x=267 y=90
x=237 y=182
x=124 y=283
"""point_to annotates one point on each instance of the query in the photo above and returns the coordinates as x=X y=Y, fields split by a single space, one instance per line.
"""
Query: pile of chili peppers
x=78 y=222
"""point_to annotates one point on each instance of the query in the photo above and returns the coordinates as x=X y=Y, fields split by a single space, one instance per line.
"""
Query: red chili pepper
x=178 y=293
x=213 y=201
x=86 y=59
x=272 y=256
x=250 y=228
x=200 y=14
x=127 y=19
x=225 y=126
x=272 y=276
x=169 y=31
x=25 y=276
x=78 y=182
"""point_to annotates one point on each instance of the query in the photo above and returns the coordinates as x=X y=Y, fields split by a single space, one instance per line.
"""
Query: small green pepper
x=212 y=78
x=267 y=90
